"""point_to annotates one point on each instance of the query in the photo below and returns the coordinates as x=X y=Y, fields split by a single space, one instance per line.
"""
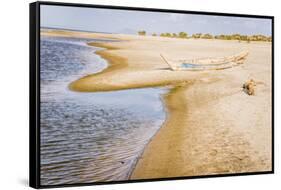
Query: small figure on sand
x=249 y=87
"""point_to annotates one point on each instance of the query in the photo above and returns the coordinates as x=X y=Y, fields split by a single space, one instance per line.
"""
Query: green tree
x=168 y=34
x=183 y=35
x=197 y=35
x=228 y=37
x=235 y=37
x=207 y=36
x=142 y=33
x=243 y=37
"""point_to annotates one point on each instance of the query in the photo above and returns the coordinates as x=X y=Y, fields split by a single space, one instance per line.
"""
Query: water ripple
x=89 y=137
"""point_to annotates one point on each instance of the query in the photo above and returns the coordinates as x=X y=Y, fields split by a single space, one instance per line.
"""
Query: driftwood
x=249 y=87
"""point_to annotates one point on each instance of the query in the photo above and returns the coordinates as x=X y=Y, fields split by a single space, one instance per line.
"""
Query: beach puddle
x=90 y=137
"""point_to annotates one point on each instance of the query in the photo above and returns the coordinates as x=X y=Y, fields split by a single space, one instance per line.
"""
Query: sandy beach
x=212 y=125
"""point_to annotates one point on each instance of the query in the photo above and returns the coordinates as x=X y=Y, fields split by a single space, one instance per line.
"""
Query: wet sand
x=212 y=127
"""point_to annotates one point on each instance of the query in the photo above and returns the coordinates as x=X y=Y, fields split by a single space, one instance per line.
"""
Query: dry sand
x=212 y=127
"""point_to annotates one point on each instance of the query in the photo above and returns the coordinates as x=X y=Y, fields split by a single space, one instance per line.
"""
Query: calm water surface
x=90 y=137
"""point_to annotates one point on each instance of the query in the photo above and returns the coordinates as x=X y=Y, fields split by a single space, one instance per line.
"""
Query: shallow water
x=89 y=137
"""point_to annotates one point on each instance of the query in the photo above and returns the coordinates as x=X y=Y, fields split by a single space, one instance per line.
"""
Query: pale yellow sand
x=212 y=127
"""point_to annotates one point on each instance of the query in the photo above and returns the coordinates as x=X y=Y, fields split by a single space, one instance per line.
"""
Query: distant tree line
x=238 y=37
x=175 y=35
x=171 y=35
x=233 y=37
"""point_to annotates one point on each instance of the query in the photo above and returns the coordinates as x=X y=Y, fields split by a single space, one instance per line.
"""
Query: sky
x=129 y=22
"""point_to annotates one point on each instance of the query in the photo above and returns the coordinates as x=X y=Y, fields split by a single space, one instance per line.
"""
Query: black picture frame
x=34 y=98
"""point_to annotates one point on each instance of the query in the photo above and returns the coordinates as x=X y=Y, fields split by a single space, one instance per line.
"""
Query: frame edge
x=34 y=170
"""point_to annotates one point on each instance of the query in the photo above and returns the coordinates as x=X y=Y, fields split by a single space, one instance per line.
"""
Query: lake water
x=90 y=137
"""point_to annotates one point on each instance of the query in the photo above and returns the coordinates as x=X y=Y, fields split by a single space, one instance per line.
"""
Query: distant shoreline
x=72 y=30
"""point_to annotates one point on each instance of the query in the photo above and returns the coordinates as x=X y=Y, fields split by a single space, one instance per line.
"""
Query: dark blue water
x=90 y=137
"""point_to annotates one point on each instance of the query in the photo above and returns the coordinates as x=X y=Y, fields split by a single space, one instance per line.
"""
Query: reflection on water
x=89 y=137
